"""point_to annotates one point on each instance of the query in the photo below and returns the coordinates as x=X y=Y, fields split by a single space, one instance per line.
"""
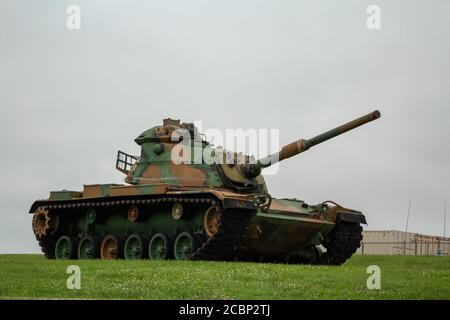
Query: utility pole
x=407 y=217
x=406 y=228
x=445 y=214
x=445 y=217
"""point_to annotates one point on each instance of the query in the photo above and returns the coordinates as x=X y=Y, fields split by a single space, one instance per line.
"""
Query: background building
x=393 y=242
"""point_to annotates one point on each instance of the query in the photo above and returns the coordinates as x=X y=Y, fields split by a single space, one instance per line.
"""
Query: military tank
x=200 y=210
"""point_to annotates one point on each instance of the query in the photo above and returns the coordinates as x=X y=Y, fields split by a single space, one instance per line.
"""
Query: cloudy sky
x=70 y=98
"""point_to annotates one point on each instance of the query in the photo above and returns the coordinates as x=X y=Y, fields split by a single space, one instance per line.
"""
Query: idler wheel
x=44 y=223
x=136 y=247
x=211 y=221
x=111 y=248
x=185 y=245
x=160 y=247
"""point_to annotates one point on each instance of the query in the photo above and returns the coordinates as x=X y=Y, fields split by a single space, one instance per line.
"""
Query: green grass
x=32 y=276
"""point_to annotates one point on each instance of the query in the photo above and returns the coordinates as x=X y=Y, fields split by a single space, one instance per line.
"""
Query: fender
x=354 y=217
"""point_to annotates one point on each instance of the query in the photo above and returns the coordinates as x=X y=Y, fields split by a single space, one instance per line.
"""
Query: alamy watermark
x=73 y=21
x=252 y=143
x=374 y=280
x=374 y=19
x=74 y=279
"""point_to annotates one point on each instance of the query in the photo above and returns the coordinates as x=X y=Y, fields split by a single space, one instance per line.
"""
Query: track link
x=232 y=227
x=47 y=244
x=341 y=243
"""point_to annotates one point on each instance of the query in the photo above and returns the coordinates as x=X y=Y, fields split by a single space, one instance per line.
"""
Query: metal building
x=393 y=242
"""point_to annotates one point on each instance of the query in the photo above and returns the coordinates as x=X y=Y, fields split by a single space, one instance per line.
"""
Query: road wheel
x=185 y=245
x=66 y=248
x=136 y=247
x=89 y=248
x=211 y=221
x=111 y=248
x=160 y=247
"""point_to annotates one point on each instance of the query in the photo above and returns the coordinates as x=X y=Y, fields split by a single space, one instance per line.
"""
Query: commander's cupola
x=169 y=131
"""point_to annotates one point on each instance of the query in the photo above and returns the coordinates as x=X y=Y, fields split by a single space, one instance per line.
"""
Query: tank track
x=341 y=243
x=47 y=245
x=232 y=226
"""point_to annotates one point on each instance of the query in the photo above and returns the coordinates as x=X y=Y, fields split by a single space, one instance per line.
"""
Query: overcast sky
x=70 y=99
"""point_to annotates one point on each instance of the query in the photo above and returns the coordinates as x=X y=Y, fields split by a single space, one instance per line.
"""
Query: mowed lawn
x=33 y=277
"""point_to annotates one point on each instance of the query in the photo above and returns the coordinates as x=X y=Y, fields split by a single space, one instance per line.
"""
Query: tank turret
x=156 y=163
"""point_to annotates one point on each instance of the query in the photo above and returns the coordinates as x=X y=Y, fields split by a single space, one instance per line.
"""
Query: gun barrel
x=301 y=145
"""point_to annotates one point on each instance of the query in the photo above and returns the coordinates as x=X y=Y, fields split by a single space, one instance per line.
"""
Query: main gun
x=251 y=170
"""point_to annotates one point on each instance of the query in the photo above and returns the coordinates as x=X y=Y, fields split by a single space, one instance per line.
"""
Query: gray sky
x=70 y=99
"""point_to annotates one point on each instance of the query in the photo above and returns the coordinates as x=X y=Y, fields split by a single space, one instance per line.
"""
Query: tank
x=171 y=207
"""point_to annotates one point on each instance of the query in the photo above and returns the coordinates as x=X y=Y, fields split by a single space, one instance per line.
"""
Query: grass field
x=33 y=277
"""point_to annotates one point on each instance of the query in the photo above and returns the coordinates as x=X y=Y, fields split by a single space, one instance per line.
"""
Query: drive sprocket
x=44 y=223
